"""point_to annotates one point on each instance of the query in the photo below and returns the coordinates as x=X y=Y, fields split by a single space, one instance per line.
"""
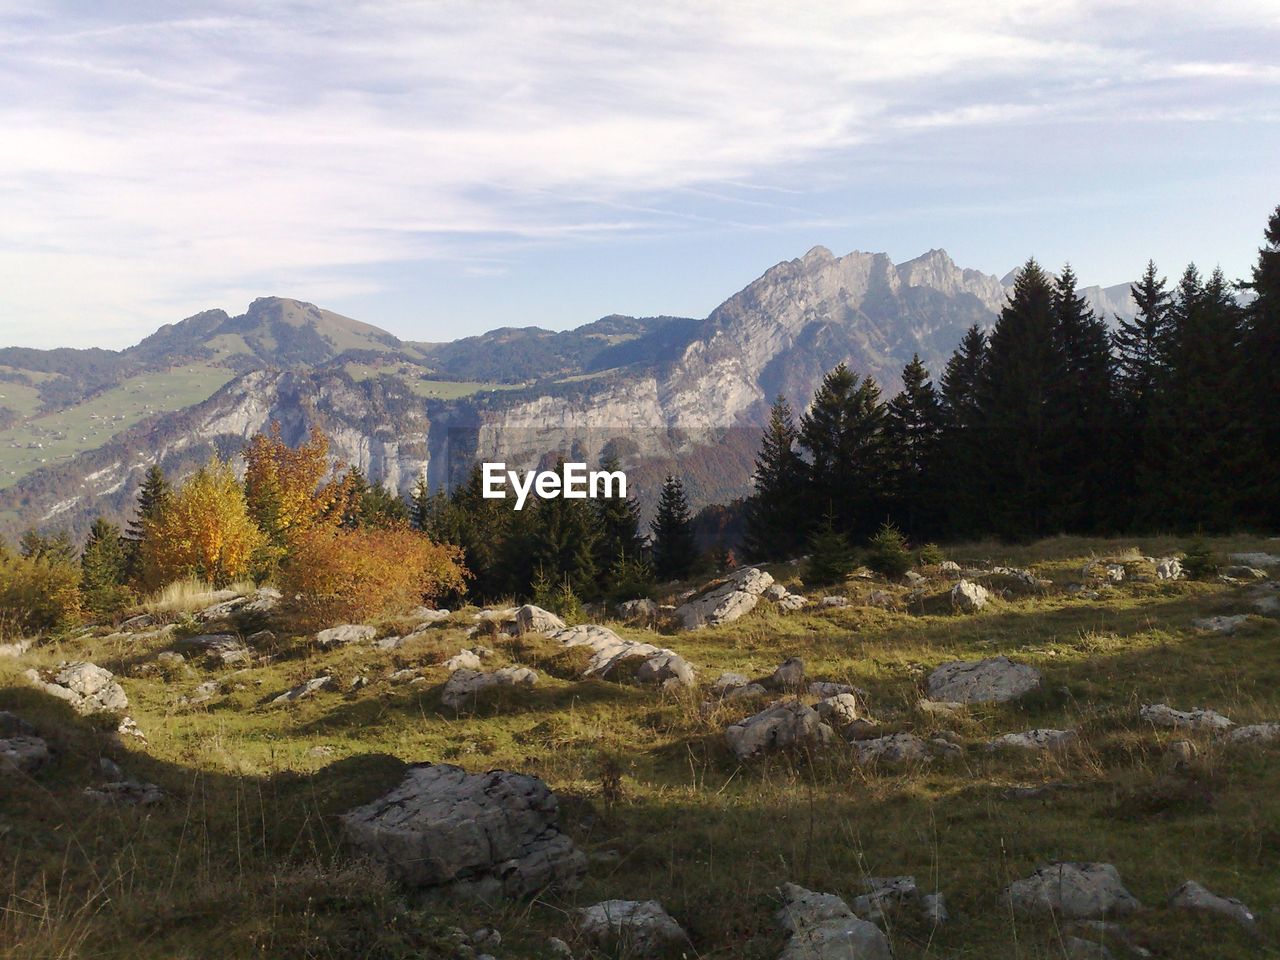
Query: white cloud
x=152 y=166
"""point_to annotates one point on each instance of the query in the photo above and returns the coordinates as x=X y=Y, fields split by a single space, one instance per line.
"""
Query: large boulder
x=640 y=609
x=632 y=929
x=609 y=651
x=345 y=634
x=994 y=680
x=464 y=685
x=782 y=726
x=533 y=619
x=1076 y=891
x=822 y=927
x=969 y=597
x=475 y=835
x=88 y=687
x=726 y=601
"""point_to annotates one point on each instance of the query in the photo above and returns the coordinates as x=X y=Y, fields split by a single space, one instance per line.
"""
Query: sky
x=443 y=168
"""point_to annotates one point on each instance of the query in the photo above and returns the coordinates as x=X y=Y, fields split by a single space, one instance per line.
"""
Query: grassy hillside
x=243 y=859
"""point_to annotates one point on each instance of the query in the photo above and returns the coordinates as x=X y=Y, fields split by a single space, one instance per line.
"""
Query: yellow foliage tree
x=285 y=487
x=204 y=531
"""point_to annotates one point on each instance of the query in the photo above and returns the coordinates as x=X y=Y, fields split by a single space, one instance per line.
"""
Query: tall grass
x=190 y=595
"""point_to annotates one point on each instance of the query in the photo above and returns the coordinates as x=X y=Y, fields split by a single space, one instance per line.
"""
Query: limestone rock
x=224 y=649
x=304 y=690
x=1168 y=568
x=345 y=634
x=969 y=597
x=463 y=660
x=834 y=601
x=995 y=680
x=725 y=602
x=1163 y=715
x=609 y=651
x=886 y=896
x=86 y=686
x=1255 y=733
x=781 y=726
x=464 y=685
x=840 y=710
x=641 y=609
x=1192 y=896
x=822 y=927
x=789 y=675
x=1040 y=739
x=892 y=748
x=830 y=688
x=22 y=753
x=1221 y=624
x=729 y=681
x=133 y=793
x=1076 y=891
x=631 y=928
x=1255 y=559
x=949 y=569
x=533 y=619
x=480 y=835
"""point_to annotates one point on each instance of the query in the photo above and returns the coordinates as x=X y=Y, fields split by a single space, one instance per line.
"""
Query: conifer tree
x=420 y=504
x=674 y=550
x=913 y=428
x=1018 y=418
x=563 y=542
x=1261 y=383
x=775 y=512
x=963 y=494
x=153 y=495
x=54 y=547
x=617 y=524
x=843 y=433
x=103 y=569
x=830 y=557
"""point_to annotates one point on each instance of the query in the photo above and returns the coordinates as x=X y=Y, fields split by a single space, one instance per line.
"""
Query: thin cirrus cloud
x=153 y=164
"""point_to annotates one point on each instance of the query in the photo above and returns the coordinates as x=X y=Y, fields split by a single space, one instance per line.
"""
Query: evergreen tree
x=830 y=558
x=370 y=504
x=913 y=430
x=103 y=569
x=1261 y=383
x=420 y=505
x=54 y=547
x=1018 y=419
x=963 y=494
x=153 y=495
x=1084 y=412
x=617 y=524
x=843 y=433
x=563 y=542
x=674 y=550
x=775 y=512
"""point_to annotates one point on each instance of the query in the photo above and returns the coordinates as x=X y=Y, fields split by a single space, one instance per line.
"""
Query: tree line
x=1051 y=423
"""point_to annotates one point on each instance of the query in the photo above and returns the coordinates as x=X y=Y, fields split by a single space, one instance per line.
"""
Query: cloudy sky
x=444 y=168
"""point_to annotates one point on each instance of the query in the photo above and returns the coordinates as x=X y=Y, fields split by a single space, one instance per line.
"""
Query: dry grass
x=188 y=596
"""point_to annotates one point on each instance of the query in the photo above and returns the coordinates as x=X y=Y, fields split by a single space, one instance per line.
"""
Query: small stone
x=558 y=948
x=1192 y=896
x=839 y=710
x=635 y=928
x=304 y=690
x=789 y=675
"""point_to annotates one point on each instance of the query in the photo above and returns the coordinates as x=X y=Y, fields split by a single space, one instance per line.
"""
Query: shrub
x=335 y=574
x=888 y=554
x=930 y=555
x=1198 y=560
x=37 y=595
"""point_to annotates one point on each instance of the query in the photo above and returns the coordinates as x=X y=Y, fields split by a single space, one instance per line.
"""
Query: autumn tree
x=284 y=487
x=204 y=531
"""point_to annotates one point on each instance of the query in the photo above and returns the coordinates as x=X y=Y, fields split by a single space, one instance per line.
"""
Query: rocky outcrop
x=995 y=680
x=22 y=753
x=1255 y=733
x=639 y=929
x=789 y=725
x=822 y=927
x=475 y=835
x=533 y=619
x=1075 y=891
x=463 y=686
x=1038 y=740
x=86 y=686
x=222 y=649
x=724 y=602
x=609 y=652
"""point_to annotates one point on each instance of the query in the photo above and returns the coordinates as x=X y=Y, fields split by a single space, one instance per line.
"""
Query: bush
x=888 y=554
x=930 y=555
x=1198 y=561
x=335 y=574
x=37 y=595
x=558 y=598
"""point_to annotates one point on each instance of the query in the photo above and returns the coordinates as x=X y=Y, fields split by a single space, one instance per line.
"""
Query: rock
x=23 y=753
x=170 y=659
x=609 y=651
x=110 y=768
x=1255 y=559
x=389 y=643
x=1238 y=572
x=427 y=616
x=995 y=680
x=933 y=907
x=792 y=602
x=486 y=835
x=789 y=675
x=641 y=609
x=260 y=638
x=1075 y=948
x=781 y=726
x=892 y=748
x=1162 y=715
x=830 y=688
x=726 y=601
x=140 y=622
x=533 y=619
x=464 y=660
x=345 y=634
x=1103 y=570
x=1040 y=739
x=128 y=727
x=264 y=600
x=86 y=686
x=834 y=601
x=404 y=675
x=1179 y=754
x=1221 y=624
x=839 y=710
x=1255 y=733
x=464 y=685
x=486 y=938
x=749 y=692
x=307 y=689
x=729 y=681
x=880 y=599
x=885 y=896
x=941 y=707
x=17 y=648
x=949 y=568
x=224 y=649
x=202 y=693
x=1168 y=568
x=969 y=597
x=558 y=948
x=1192 y=896
x=221 y=610
x=822 y=927
x=132 y=792
x=631 y=928
x=1076 y=891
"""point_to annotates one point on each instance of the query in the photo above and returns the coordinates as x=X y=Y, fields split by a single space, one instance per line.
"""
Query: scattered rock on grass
x=782 y=726
x=1077 y=891
x=1168 y=568
x=88 y=687
x=304 y=690
x=1255 y=733
x=345 y=634
x=840 y=710
x=1221 y=624
x=631 y=928
x=223 y=649
x=822 y=927
x=133 y=793
x=789 y=675
x=464 y=685
x=1192 y=896
x=609 y=651
x=724 y=601
x=1040 y=739
x=892 y=748
x=1163 y=715
x=22 y=753
x=534 y=619
x=995 y=680
x=969 y=597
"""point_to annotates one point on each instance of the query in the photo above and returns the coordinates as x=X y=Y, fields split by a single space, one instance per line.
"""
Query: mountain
x=79 y=427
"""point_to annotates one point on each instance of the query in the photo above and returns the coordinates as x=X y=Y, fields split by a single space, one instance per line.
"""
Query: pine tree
x=103 y=569
x=563 y=542
x=617 y=524
x=775 y=512
x=913 y=430
x=674 y=550
x=54 y=547
x=830 y=558
x=153 y=495
x=1018 y=418
x=843 y=433
x=420 y=505
x=1084 y=412
x=1261 y=383
x=963 y=493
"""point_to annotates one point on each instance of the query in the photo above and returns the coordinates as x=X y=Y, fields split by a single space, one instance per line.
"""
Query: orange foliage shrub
x=336 y=575
x=203 y=531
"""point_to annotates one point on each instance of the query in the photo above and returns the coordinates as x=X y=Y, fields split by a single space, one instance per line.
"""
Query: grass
x=187 y=596
x=244 y=859
x=432 y=389
x=40 y=441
